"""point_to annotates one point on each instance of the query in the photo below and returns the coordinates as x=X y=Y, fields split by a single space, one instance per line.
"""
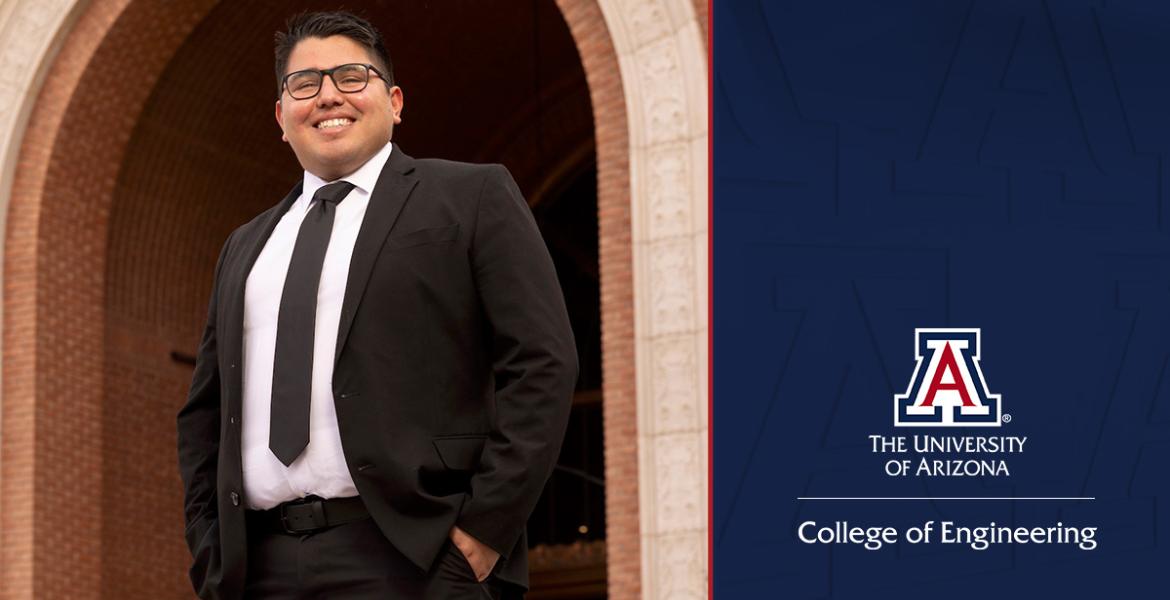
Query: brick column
x=623 y=550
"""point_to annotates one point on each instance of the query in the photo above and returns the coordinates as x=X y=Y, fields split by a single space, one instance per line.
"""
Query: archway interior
x=485 y=81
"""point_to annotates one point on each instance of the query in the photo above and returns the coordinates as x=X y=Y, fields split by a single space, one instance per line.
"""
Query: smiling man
x=386 y=373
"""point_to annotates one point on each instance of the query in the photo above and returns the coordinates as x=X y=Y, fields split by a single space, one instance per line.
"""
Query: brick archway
x=51 y=481
x=55 y=419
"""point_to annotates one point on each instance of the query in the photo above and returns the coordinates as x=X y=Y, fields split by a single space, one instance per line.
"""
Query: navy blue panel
x=887 y=166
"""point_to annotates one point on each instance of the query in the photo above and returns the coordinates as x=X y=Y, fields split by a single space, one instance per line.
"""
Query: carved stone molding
x=676 y=388
x=680 y=566
x=664 y=71
x=664 y=102
x=672 y=285
x=677 y=458
x=669 y=191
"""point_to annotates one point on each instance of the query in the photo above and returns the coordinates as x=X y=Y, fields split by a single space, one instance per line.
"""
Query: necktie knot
x=334 y=192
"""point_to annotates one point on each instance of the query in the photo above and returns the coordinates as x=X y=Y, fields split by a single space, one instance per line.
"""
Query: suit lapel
x=386 y=202
x=237 y=279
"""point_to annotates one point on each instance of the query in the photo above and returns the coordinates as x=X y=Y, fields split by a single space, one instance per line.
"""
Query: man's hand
x=481 y=558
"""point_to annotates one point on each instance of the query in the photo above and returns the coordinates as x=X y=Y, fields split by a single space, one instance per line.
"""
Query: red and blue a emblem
x=948 y=388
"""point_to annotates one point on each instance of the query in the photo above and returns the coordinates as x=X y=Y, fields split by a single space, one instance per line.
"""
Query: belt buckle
x=312 y=515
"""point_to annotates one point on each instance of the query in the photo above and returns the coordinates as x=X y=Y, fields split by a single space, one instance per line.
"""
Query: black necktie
x=292 y=372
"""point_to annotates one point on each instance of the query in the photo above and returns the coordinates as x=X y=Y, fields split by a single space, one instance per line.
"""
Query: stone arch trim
x=661 y=46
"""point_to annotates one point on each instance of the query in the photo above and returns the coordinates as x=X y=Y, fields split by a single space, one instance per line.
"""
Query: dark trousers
x=355 y=561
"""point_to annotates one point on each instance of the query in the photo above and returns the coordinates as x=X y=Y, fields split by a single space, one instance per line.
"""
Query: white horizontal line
x=946 y=498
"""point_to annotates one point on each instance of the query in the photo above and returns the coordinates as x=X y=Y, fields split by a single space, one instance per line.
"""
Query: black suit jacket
x=452 y=381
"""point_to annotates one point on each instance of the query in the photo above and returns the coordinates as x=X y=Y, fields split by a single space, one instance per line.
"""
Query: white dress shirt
x=321 y=468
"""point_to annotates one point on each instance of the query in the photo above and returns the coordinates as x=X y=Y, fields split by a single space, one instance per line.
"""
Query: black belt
x=309 y=514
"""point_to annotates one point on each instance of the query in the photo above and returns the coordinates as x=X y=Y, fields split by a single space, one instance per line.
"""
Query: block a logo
x=948 y=388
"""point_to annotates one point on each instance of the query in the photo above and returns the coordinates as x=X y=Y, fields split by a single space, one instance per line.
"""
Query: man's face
x=367 y=118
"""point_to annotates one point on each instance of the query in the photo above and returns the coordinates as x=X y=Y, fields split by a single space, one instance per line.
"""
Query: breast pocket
x=420 y=237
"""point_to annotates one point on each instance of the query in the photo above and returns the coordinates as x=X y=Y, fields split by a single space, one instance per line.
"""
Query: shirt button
x=235 y=499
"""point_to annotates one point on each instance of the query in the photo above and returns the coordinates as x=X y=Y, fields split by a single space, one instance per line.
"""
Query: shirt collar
x=363 y=179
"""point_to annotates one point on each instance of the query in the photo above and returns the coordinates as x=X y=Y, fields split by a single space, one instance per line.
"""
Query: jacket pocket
x=460 y=452
x=430 y=235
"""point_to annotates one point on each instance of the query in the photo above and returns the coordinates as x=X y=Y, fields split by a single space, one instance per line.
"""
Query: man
x=386 y=373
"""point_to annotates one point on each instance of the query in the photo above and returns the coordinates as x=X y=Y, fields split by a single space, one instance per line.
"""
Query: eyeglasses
x=350 y=79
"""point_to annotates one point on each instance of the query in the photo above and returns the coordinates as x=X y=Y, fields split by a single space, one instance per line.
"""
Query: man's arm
x=198 y=428
x=534 y=362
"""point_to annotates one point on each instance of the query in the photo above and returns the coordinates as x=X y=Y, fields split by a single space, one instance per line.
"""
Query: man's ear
x=280 y=122
x=396 y=104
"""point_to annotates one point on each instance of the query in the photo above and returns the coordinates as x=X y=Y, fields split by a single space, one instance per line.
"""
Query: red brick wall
x=623 y=554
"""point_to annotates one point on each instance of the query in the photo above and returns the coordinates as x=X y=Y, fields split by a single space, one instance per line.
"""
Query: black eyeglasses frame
x=370 y=69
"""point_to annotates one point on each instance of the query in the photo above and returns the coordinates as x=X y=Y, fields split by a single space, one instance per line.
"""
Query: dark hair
x=326 y=24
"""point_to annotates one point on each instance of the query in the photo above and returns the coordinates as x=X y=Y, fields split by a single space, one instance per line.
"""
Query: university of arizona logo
x=947 y=389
